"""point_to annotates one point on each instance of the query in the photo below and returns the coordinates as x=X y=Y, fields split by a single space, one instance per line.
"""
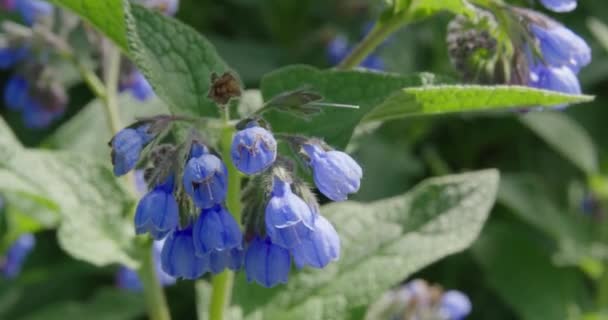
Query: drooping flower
x=561 y=79
x=216 y=230
x=127 y=145
x=226 y=259
x=266 y=263
x=127 y=278
x=137 y=84
x=157 y=212
x=12 y=262
x=15 y=92
x=454 y=305
x=9 y=56
x=321 y=248
x=288 y=219
x=559 y=46
x=178 y=257
x=205 y=180
x=559 y=5
x=33 y=10
x=335 y=173
x=253 y=150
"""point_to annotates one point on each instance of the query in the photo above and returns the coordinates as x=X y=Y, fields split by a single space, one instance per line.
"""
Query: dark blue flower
x=138 y=85
x=288 y=219
x=454 y=305
x=216 y=229
x=12 y=262
x=36 y=115
x=559 y=46
x=9 y=56
x=559 y=5
x=127 y=145
x=128 y=279
x=178 y=257
x=205 y=180
x=220 y=260
x=267 y=263
x=16 y=92
x=335 y=173
x=253 y=150
x=33 y=10
x=157 y=212
x=322 y=247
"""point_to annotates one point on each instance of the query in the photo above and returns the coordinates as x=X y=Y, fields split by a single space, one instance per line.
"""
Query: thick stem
x=112 y=74
x=153 y=291
x=222 y=283
x=374 y=38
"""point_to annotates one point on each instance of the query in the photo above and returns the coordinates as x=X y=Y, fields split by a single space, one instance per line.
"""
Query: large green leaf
x=383 y=242
x=176 y=59
x=335 y=125
x=107 y=16
x=566 y=136
x=433 y=100
x=91 y=202
x=518 y=267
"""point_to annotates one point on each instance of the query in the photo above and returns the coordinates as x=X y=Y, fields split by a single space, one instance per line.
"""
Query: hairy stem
x=153 y=291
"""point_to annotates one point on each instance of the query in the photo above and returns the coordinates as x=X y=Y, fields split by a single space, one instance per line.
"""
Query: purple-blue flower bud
x=454 y=305
x=178 y=258
x=11 y=264
x=253 y=150
x=33 y=10
x=157 y=212
x=205 y=180
x=267 y=263
x=216 y=229
x=335 y=173
x=289 y=220
x=559 y=5
x=322 y=247
x=9 y=56
x=127 y=145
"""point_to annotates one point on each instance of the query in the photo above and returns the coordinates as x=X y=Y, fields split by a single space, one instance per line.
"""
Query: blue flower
x=216 y=229
x=127 y=278
x=33 y=10
x=561 y=79
x=289 y=220
x=253 y=150
x=9 y=56
x=138 y=85
x=16 y=92
x=127 y=145
x=322 y=247
x=559 y=46
x=157 y=212
x=178 y=257
x=36 y=115
x=205 y=180
x=168 y=7
x=335 y=173
x=339 y=48
x=11 y=264
x=454 y=305
x=559 y=5
x=267 y=263
x=220 y=260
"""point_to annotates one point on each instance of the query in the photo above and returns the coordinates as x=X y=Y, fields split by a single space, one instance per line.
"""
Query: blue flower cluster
x=200 y=233
x=13 y=260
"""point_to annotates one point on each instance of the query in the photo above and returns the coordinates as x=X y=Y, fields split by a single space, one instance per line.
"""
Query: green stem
x=153 y=291
x=112 y=74
x=374 y=38
x=222 y=283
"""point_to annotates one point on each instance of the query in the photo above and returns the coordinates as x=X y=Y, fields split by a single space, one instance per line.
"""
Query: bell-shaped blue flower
x=178 y=258
x=561 y=79
x=253 y=150
x=15 y=92
x=322 y=247
x=205 y=180
x=267 y=263
x=335 y=173
x=559 y=5
x=137 y=84
x=288 y=219
x=9 y=56
x=127 y=145
x=157 y=212
x=216 y=229
x=33 y=10
x=560 y=46
x=12 y=262
x=220 y=260
x=454 y=305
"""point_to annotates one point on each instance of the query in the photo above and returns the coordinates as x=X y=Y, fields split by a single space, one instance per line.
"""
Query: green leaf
x=518 y=268
x=419 y=9
x=335 y=125
x=434 y=100
x=566 y=136
x=91 y=202
x=400 y=235
x=88 y=131
x=177 y=61
x=599 y=30
x=107 y=16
